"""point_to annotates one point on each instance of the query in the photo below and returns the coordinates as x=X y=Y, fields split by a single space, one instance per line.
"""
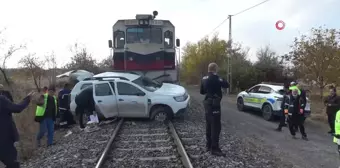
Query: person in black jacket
x=5 y=93
x=296 y=114
x=211 y=87
x=85 y=104
x=8 y=131
x=66 y=118
x=284 y=108
x=333 y=103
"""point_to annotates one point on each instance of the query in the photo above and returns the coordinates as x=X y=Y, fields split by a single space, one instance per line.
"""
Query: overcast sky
x=54 y=25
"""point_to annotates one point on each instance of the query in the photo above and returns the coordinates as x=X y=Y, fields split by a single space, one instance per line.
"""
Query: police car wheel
x=267 y=112
x=240 y=104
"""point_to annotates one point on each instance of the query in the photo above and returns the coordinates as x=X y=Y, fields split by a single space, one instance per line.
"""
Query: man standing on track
x=211 y=87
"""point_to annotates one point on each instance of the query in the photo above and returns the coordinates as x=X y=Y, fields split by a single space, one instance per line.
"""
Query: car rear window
x=85 y=86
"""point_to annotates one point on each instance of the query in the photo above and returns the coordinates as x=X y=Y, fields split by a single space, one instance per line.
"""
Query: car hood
x=170 y=89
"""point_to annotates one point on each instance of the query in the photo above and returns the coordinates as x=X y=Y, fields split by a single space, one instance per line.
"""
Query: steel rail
x=184 y=156
x=108 y=146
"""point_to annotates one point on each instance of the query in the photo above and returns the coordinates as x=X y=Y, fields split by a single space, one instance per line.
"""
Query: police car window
x=254 y=89
x=85 y=86
x=103 y=89
x=127 y=89
x=265 y=89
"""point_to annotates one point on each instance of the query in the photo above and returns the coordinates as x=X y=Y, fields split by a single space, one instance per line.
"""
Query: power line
x=251 y=7
x=238 y=14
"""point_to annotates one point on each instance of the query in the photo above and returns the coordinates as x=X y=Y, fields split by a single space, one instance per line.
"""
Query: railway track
x=144 y=144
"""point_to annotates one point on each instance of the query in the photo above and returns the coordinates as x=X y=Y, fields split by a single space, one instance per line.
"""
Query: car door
x=250 y=97
x=105 y=99
x=132 y=100
x=262 y=95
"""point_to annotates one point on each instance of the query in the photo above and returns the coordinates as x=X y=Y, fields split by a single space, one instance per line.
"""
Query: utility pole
x=229 y=52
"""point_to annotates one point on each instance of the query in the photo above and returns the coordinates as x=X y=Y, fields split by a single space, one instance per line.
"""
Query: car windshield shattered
x=147 y=83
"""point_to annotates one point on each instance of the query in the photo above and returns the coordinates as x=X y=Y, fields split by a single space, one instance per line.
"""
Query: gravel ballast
x=79 y=149
x=240 y=153
x=82 y=149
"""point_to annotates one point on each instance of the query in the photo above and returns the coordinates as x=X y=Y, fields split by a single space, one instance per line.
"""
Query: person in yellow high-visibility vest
x=45 y=114
x=336 y=134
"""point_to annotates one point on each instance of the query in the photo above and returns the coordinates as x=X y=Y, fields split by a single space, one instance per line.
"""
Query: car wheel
x=267 y=112
x=240 y=104
x=160 y=114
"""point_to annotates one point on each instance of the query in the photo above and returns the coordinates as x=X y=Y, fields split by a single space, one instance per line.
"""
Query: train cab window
x=119 y=39
x=168 y=39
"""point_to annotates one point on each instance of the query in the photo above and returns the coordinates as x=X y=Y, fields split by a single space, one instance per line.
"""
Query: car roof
x=129 y=76
x=274 y=87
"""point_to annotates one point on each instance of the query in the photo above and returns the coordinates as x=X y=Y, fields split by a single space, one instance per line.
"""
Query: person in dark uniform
x=296 y=114
x=8 y=131
x=85 y=104
x=5 y=93
x=211 y=87
x=66 y=118
x=333 y=104
x=284 y=108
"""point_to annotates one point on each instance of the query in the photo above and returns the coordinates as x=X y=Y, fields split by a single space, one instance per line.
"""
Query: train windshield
x=147 y=83
x=144 y=35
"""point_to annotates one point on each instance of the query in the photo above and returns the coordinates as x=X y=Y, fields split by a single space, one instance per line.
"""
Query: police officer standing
x=296 y=114
x=211 y=87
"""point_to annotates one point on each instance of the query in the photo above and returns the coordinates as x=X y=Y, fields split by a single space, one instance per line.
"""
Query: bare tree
x=51 y=63
x=8 y=52
x=82 y=59
x=34 y=66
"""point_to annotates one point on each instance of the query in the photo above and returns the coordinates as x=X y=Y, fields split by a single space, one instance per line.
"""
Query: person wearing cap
x=8 y=131
x=302 y=95
x=45 y=114
x=5 y=93
x=296 y=114
x=211 y=87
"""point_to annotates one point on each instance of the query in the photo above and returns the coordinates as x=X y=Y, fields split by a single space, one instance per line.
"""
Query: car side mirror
x=247 y=91
x=110 y=43
x=178 y=42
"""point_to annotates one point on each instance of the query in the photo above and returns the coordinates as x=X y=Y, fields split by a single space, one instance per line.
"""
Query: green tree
x=317 y=57
x=197 y=56
x=268 y=66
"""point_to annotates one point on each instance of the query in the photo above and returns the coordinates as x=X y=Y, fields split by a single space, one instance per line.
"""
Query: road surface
x=318 y=152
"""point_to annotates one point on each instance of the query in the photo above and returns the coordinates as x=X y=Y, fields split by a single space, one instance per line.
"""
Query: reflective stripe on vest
x=40 y=111
x=337 y=126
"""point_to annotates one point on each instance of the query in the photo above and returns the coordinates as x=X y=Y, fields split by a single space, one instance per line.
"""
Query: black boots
x=217 y=152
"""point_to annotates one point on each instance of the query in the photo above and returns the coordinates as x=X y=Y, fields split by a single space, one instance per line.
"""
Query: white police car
x=266 y=98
